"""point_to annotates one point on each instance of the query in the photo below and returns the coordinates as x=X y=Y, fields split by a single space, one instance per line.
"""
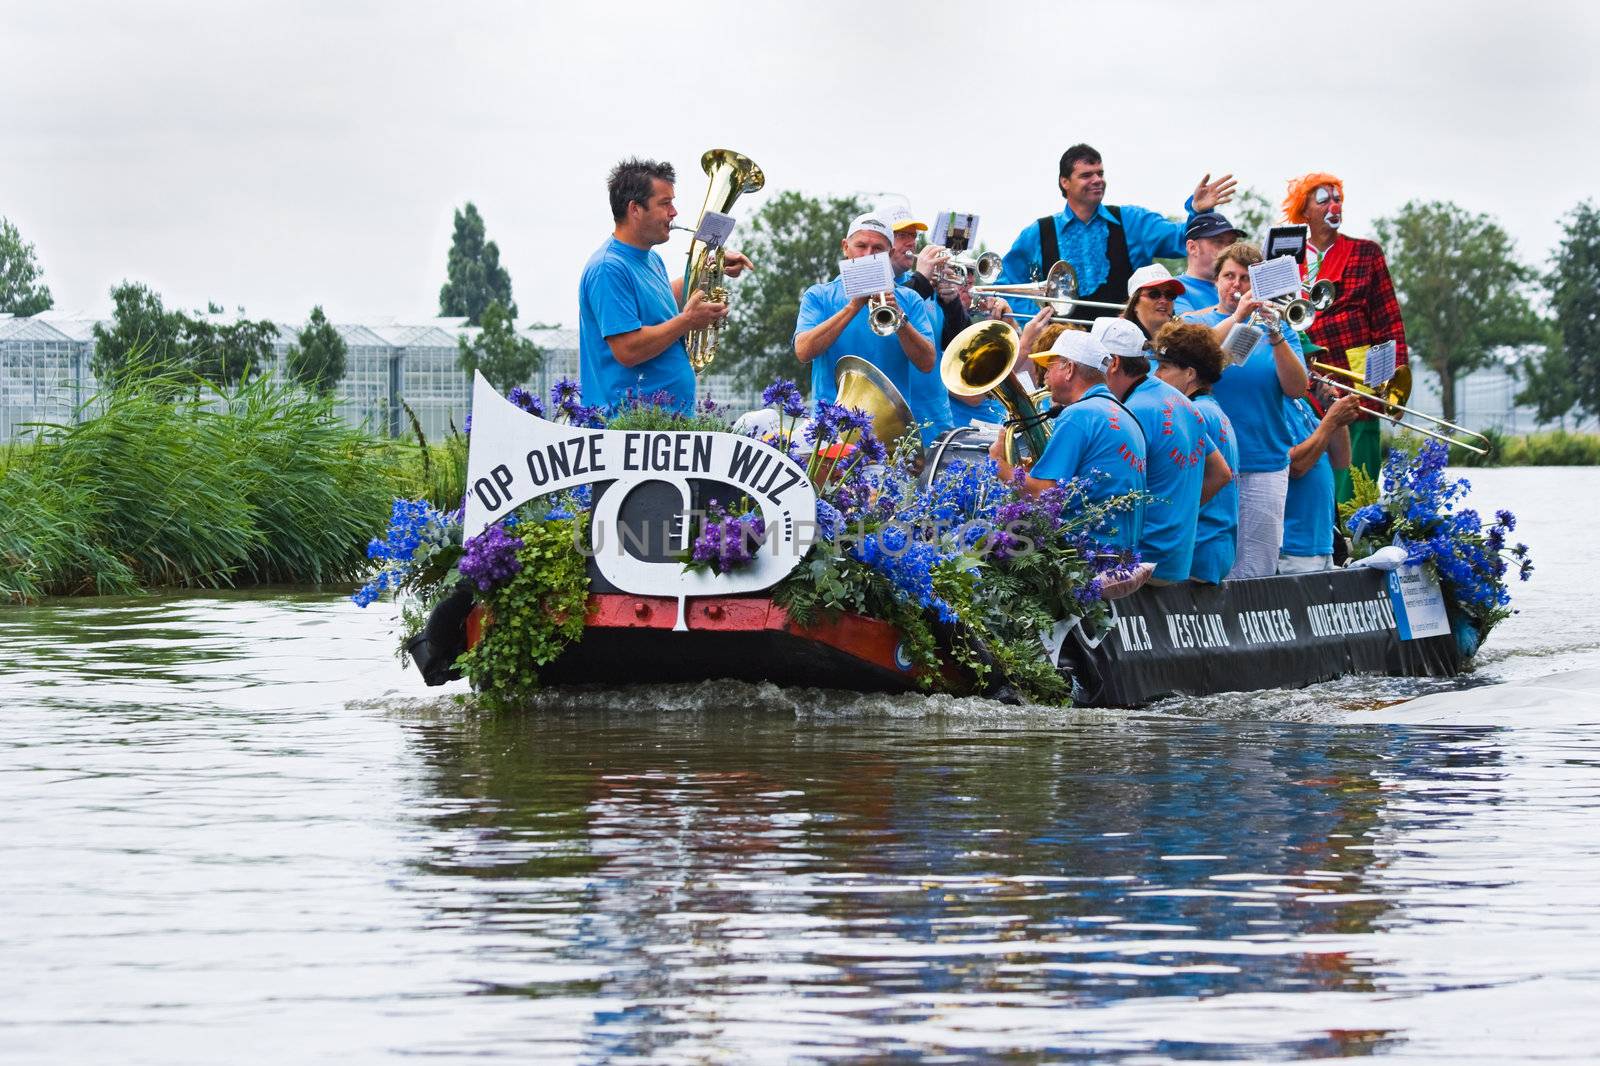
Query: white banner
x=515 y=457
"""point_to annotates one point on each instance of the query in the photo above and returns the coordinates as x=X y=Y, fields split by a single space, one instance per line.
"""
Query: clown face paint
x=1328 y=202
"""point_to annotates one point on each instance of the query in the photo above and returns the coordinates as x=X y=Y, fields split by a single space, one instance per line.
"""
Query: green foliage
x=1556 y=448
x=317 y=358
x=1461 y=290
x=794 y=242
x=534 y=616
x=256 y=484
x=21 y=291
x=440 y=470
x=1550 y=386
x=503 y=356
x=230 y=353
x=475 y=277
x=654 y=417
x=1574 y=284
x=146 y=341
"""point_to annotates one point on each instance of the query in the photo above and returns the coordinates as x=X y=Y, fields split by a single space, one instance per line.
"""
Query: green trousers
x=1366 y=454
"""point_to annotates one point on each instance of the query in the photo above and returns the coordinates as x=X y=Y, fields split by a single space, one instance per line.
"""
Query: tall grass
x=1551 y=448
x=185 y=487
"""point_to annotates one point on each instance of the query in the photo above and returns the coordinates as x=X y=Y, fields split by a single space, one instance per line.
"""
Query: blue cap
x=1210 y=224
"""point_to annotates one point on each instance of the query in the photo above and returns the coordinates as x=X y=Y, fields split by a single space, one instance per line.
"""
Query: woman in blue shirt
x=1192 y=368
x=1322 y=446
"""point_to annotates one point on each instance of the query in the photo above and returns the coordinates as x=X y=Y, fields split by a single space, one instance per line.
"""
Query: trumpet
x=1393 y=398
x=957 y=269
x=884 y=317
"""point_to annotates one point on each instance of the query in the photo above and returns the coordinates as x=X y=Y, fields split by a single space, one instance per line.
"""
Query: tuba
x=731 y=175
x=978 y=360
x=866 y=388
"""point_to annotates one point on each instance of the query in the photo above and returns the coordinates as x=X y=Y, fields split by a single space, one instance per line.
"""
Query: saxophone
x=731 y=176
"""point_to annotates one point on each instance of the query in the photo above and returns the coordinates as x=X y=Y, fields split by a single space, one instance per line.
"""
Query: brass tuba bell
x=863 y=386
x=979 y=360
x=731 y=176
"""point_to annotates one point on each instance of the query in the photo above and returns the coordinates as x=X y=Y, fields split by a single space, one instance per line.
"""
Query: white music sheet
x=1275 y=278
x=867 y=276
x=1380 y=364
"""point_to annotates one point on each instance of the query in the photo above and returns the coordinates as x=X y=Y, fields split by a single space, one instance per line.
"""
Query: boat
x=650 y=620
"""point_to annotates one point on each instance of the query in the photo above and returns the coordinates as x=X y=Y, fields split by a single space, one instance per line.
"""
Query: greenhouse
x=46 y=375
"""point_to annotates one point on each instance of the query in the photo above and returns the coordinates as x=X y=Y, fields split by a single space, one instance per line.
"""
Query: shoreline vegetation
x=177 y=484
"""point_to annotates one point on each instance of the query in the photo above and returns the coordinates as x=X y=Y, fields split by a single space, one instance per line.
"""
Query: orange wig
x=1300 y=190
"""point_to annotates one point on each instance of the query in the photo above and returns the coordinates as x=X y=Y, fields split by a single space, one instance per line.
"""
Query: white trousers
x=1260 y=524
x=1304 y=564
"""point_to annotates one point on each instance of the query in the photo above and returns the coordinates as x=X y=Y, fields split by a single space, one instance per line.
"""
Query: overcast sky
x=279 y=155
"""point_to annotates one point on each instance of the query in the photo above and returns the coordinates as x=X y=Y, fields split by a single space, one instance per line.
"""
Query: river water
x=236 y=829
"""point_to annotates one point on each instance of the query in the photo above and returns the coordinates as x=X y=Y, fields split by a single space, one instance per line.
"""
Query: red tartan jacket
x=1365 y=311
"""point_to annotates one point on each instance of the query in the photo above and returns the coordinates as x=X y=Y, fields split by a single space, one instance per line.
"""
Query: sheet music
x=1242 y=340
x=1287 y=240
x=1380 y=364
x=955 y=230
x=1275 y=278
x=867 y=276
x=715 y=228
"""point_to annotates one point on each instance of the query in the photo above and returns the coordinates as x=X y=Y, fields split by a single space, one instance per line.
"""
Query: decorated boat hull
x=1278 y=632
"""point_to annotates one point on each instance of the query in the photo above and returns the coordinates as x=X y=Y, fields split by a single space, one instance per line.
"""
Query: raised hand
x=1209 y=195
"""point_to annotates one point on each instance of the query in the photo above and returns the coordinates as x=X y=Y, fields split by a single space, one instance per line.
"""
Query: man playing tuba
x=630 y=331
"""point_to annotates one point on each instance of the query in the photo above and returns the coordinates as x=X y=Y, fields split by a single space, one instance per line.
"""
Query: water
x=236 y=830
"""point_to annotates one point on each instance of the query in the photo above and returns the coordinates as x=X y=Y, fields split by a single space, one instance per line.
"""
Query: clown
x=1365 y=311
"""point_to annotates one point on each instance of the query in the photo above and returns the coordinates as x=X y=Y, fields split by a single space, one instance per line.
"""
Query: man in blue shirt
x=630 y=331
x=1104 y=244
x=829 y=326
x=1322 y=447
x=1094 y=438
x=1182 y=467
x=1207 y=234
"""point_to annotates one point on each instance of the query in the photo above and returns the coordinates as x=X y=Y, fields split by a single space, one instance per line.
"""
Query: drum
x=966 y=444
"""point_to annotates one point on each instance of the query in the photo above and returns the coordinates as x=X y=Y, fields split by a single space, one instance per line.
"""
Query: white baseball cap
x=901 y=218
x=1119 y=336
x=1153 y=275
x=872 y=223
x=1078 y=347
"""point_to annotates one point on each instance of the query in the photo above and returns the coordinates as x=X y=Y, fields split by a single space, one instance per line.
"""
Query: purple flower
x=526 y=400
x=489 y=560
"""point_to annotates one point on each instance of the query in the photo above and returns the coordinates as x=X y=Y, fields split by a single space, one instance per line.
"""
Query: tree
x=1574 y=284
x=21 y=291
x=475 y=275
x=144 y=339
x=317 y=357
x=1461 y=289
x=229 y=353
x=505 y=358
x=794 y=242
x=1549 y=385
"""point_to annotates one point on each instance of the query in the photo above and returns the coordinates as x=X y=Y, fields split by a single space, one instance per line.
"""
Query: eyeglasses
x=1158 y=294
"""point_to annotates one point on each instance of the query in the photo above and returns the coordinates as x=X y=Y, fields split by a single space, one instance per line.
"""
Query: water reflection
x=682 y=874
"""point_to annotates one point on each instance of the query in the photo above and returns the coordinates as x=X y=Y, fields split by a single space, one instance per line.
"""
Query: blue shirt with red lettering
x=1176 y=450
x=1096 y=440
x=1216 y=535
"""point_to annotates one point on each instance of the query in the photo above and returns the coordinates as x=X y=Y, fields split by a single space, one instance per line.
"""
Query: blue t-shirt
x=1083 y=244
x=1175 y=469
x=1308 y=506
x=1094 y=439
x=1216 y=535
x=1198 y=294
x=624 y=289
x=988 y=409
x=922 y=390
x=1253 y=399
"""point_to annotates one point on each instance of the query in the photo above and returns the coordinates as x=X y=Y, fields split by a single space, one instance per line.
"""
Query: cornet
x=884 y=317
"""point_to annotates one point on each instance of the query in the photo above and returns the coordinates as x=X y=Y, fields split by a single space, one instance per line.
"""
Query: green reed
x=172 y=484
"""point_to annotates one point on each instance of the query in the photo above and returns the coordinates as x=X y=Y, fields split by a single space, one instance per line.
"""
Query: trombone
x=1060 y=286
x=1395 y=394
